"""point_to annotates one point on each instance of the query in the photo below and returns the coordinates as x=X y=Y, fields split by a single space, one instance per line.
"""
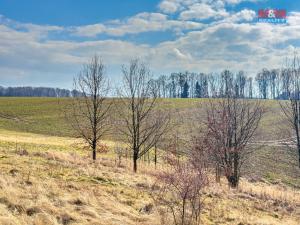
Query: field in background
x=46 y=115
x=35 y=115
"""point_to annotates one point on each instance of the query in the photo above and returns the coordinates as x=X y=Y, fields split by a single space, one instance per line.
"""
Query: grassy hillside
x=36 y=115
x=45 y=116
x=47 y=177
x=47 y=180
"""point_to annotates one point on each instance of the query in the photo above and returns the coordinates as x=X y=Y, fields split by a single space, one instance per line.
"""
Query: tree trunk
x=236 y=165
x=233 y=177
x=296 y=128
x=218 y=173
x=94 y=154
x=233 y=181
x=94 y=147
x=183 y=212
x=155 y=156
x=298 y=141
x=135 y=158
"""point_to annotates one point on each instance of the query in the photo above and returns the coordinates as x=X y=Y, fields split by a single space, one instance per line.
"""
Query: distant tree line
x=267 y=84
x=37 y=92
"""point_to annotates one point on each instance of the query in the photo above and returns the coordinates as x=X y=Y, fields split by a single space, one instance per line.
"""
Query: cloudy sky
x=44 y=43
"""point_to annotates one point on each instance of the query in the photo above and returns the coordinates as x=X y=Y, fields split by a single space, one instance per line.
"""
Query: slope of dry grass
x=55 y=187
x=53 y=183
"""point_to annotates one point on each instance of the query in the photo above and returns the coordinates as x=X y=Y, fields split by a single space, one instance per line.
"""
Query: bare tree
x=88 y=113
x=291 y=108
x=180 y=188
x=231 y=123
x=143 y=124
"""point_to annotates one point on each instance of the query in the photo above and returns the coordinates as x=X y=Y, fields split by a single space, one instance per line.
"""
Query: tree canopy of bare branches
x=291 y=108
x=142 y=123
x=231 y=123
x=179 y=188
x=88 y=113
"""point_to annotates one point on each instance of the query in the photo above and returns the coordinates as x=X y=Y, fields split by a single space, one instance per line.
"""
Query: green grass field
x=34 y=115
x=46 y=116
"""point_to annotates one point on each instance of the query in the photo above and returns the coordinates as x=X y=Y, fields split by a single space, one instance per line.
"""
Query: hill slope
x=45 y=116
x=56 y=183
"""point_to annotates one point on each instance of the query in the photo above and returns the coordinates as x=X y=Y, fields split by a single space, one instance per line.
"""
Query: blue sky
x=44 y=43
x=73 y=13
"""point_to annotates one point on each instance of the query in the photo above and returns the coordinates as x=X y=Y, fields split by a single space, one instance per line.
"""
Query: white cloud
x=168 y=6
x=172 y=6
x=246 y=15
x=202 y=11
x=142 y=22
x=38 y=30
x=89 y=30
x=219 y=46
x=227 y=43
x=235 y=46
x=294 y=18
x=180 y=55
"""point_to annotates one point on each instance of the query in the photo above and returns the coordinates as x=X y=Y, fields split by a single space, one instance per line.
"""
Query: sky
x=45 y=43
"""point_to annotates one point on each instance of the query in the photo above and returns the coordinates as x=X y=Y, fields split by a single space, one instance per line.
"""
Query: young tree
x=181 y=187
x=89 y=111
x=231 y=123
x=143 y=124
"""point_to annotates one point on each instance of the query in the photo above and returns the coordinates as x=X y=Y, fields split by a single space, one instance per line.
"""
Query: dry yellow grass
x=253 y=203
x=63 y=188
x=39 y=187
x=23 y=137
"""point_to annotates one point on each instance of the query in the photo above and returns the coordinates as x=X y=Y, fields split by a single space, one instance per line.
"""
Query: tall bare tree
x=231 y=123
x=291 y=108
x=89 y=109
x=142 y=124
